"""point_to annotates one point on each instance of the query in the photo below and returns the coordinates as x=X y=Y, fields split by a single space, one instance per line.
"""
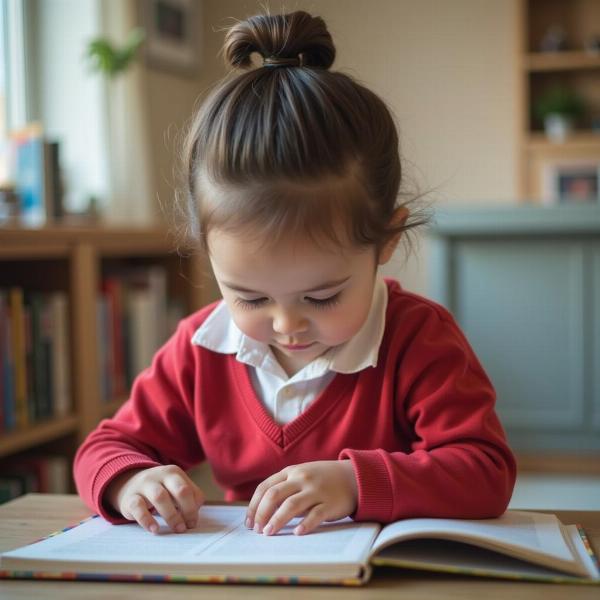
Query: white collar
x=220 y=334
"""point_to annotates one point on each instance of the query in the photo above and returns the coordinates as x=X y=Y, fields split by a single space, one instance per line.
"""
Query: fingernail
x=257 y=527
x=248 y=523
x=180 y=528
x=268 y=529
x=153 y=528
x=299 y=530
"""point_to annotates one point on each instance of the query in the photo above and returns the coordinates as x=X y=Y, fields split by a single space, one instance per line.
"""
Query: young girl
x=314 y=388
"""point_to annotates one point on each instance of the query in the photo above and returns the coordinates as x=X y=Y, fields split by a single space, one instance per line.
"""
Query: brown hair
x=292 y=148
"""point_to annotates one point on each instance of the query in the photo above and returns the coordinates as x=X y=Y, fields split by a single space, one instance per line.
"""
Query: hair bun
x=280 y=36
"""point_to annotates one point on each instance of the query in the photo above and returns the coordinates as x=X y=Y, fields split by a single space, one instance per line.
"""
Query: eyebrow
x=323 y=286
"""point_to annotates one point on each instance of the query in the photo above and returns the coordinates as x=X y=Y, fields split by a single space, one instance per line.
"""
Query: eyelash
x=317 y=303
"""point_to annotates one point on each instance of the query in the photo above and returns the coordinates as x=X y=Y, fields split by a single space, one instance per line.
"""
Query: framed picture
x=571 y=182
x=173 y=35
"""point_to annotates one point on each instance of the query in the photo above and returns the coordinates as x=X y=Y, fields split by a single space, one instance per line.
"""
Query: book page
x=530 y=536
x=220 y=538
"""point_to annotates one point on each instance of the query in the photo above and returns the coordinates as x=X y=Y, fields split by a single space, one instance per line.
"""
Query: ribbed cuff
x=375 y=497
x=107 y=473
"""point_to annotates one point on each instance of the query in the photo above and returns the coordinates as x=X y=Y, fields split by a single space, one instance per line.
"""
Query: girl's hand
x=323 y=490
x=166 y=488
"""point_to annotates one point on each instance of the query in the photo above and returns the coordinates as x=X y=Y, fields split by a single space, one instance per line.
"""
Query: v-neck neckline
x=286 y=434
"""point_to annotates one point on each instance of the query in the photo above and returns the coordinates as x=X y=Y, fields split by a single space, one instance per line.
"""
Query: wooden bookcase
x=73 y=260
x=574 y=68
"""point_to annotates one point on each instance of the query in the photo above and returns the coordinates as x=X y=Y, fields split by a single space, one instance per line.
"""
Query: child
x=314 y=388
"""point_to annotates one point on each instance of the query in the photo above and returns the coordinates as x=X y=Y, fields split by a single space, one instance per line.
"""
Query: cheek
x=345 y=322
x=252 y=325
x=339 y=328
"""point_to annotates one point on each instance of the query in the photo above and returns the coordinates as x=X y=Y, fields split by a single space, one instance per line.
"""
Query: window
x=14 y=99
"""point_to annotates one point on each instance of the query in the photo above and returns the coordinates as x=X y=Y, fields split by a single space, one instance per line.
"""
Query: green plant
x=106 y=58
x=559 y=101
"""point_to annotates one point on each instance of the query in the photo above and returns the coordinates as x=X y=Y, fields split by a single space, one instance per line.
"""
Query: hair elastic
x=275 y=61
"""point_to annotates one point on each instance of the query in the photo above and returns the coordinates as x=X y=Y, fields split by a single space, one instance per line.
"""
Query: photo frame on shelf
x=172 y=35
x=571 y=182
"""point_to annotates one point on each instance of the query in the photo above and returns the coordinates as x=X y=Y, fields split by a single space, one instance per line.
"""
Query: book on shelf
x=133 y=322
x=34 y=473
x=37 y=175
x=34 y=357
x=517 y=545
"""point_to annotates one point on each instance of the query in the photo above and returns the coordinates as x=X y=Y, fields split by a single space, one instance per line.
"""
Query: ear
x=398 y=219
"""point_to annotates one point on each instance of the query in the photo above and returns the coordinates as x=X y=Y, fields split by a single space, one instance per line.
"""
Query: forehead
x=289 y=264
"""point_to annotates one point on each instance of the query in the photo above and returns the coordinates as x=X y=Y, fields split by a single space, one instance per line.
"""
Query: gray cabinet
x=524 y=284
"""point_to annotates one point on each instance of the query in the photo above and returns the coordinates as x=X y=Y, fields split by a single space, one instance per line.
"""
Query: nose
x=289 y=322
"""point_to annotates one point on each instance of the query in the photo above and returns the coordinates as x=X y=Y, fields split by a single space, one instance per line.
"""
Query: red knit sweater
x=419 y=428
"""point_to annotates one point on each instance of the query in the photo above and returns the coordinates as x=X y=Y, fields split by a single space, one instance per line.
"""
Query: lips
x=297 y=347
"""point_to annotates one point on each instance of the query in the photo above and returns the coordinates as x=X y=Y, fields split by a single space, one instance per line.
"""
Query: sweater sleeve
x=459 y=464
x=154 y=427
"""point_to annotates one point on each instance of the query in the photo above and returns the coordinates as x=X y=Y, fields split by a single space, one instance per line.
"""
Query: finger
x=259 y=492
x=188 y=498
x=316 y=515
x=295 y=505
x=136 y=508
x=272 y=500
x=162 y=500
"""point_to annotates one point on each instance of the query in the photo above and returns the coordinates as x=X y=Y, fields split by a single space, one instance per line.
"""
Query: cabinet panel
x=521 y=307
x=595 y=338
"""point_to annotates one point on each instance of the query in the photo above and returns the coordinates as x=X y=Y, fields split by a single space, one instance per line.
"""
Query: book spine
x=114 y=292
x=60 y=354
x=46 y=330
x=39 y=396
x=8 y=373
x=18 y=353
x=3 y=350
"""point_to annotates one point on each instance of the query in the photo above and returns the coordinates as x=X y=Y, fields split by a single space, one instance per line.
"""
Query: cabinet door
x=520 y=303
x=595 y=333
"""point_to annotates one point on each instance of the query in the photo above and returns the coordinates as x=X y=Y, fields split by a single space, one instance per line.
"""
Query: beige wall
x=447 y=68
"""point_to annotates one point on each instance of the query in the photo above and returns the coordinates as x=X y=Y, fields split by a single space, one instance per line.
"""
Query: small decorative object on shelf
x=554 y=40
x=558 y=108
x=572 y=181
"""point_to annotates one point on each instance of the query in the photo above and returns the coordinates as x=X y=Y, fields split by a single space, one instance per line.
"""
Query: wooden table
x=34 y=516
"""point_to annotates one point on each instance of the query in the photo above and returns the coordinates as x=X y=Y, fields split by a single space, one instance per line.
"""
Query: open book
x=523 y=545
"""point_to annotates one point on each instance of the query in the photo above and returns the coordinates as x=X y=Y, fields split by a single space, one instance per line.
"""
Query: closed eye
x=324 y=302
x=248 y=304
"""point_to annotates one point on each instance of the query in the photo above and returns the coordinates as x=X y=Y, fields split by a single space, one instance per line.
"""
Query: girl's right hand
x=167 y=489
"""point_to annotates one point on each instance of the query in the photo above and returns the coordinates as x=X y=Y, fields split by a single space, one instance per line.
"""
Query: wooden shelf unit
x=575 y=68
x=72 y=259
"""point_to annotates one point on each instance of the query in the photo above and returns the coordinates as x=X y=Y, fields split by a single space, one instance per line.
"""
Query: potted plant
x=558 y=108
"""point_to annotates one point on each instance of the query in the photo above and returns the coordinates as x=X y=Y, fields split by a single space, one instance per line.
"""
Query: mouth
x=296 y=347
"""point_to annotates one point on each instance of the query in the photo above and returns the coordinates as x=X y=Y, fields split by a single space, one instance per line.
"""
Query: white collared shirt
x=287 y=397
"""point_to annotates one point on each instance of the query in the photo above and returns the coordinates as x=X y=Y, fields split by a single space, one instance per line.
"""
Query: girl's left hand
x=323 y=490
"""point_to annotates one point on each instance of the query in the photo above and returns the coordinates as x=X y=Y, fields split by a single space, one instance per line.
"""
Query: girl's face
x=298 y=297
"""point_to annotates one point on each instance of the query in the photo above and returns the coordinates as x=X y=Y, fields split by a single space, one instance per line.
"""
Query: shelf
x=561 y=61
x=577 y=141
x=38 y=433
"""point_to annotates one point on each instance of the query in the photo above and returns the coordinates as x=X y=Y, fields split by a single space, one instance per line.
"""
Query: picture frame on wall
x=571 y=182
x=173 y=35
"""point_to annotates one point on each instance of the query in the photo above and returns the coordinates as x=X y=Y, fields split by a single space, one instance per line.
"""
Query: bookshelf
x=574 y=67
x=74 y=260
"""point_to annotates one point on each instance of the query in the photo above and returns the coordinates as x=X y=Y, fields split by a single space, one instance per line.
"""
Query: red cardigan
x=419 y=428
